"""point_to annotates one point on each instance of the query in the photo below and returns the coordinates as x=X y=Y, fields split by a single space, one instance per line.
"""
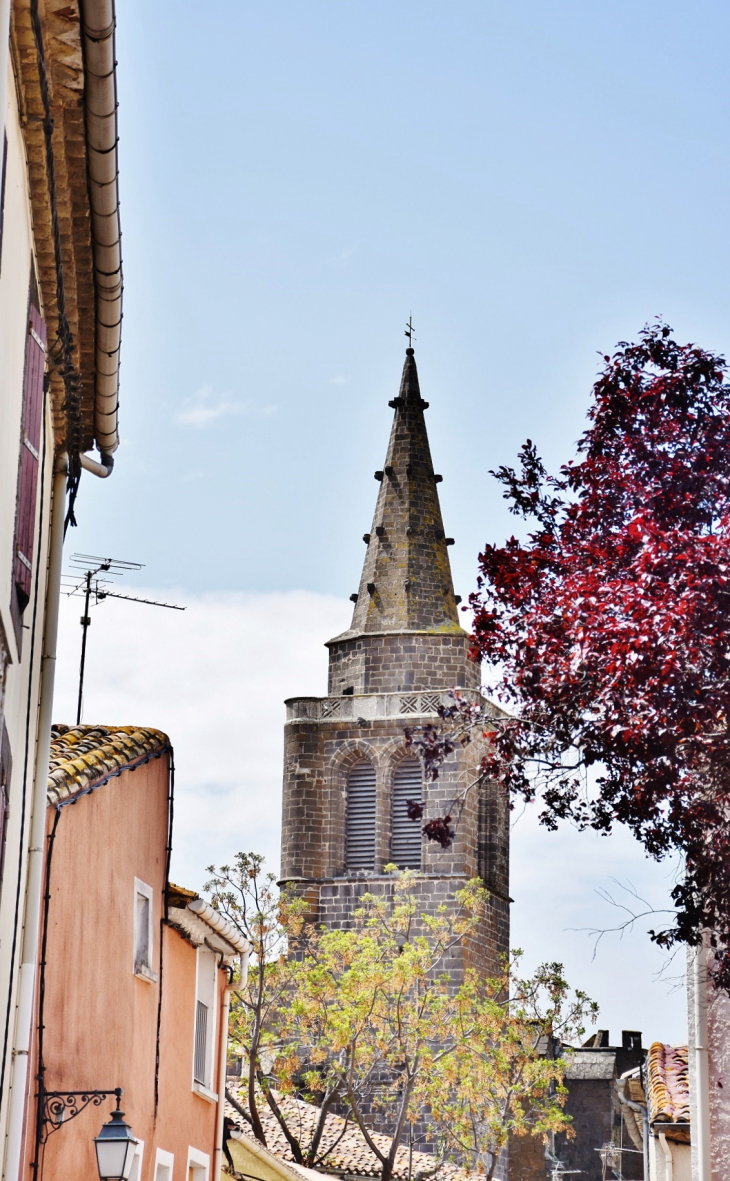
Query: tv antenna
x=84 y=580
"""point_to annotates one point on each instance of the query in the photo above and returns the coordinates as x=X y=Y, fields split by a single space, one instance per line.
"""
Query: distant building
x=593 y=1104
x=656 y=1111
x=60 y=330
x=133 y=981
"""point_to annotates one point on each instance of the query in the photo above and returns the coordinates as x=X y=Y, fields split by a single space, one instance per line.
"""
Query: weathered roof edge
x=84 y=755
x=65 y=73
x=191 y=911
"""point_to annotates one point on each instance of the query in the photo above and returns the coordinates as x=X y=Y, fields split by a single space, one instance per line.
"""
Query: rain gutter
x=98 y=20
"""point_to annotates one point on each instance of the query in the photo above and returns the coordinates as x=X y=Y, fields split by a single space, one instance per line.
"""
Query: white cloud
x=205 y=405
x=339 y=379
x=215 y=678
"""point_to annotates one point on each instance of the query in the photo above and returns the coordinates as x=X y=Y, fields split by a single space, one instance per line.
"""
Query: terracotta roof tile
x=350 y=1155
x=668 y=1071
x=80 y=755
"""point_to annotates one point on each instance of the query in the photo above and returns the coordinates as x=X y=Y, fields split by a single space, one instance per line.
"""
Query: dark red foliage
x=611 y=623
x=431 y=744
x=439 y=829
x=414 y=809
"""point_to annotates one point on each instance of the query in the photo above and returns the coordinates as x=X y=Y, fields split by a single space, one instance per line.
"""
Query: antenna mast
x=89 y=566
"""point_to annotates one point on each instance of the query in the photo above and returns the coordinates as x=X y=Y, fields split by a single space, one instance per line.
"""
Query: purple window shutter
x=6 y=769
x=35 y=363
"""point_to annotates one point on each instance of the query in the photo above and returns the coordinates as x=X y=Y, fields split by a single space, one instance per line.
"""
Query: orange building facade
x=133 y=986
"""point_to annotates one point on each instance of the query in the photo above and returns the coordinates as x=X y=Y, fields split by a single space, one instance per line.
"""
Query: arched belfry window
x=405 y=841
x=360 y=818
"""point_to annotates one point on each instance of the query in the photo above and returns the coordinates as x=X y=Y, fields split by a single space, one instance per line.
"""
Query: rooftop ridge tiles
x=80 y=755
x=350 y=1154
x=668 y=1078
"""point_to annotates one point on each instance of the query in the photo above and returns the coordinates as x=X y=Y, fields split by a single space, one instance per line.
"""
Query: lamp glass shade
x=115 y=1147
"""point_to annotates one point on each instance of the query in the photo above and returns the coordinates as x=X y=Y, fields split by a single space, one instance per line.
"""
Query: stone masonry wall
x=402 y=661
x=317 y=758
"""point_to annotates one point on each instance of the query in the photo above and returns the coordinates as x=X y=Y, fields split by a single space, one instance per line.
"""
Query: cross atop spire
x=406 y=582
x=409 y=332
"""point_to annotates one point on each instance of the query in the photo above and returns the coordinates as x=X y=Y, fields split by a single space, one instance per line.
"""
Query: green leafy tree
x=250 y=900
x=369 y=1020
x=373 y=1010
x=505 y=1076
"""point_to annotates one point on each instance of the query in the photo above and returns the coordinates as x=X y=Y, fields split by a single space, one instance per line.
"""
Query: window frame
x=140 y=970
x=166 y=1160
x=414 y=764
x=138 y=1159
x=348 y=858
x=206 y=993
x=197 y=1160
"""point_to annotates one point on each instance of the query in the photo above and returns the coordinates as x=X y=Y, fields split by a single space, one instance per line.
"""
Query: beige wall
x=681 y=1168
x=14 y=277
x=100 y=1019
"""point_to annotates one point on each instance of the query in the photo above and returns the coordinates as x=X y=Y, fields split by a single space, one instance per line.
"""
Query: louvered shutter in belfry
x=405 y=845
x=360 y=823
x=30 y=441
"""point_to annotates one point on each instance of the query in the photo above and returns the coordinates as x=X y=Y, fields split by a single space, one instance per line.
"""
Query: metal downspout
x=701 y=1062
x=641 y=1108
x=34 y=884
x=668 y=1158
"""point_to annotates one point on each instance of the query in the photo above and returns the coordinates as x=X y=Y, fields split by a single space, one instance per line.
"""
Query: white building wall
x=22 y=679
x=681 y=1166
x=718 y=1053
x=717 y=1006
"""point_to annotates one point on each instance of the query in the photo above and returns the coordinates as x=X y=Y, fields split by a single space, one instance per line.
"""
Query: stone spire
x=405 y=633
x=406 y=582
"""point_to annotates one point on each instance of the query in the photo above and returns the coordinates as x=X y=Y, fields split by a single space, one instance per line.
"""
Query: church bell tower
x=347 y=773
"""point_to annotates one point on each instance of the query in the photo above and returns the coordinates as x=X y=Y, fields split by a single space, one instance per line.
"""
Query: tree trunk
x=258 y=1128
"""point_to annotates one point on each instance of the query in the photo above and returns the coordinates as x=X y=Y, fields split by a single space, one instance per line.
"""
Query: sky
x=533 y=183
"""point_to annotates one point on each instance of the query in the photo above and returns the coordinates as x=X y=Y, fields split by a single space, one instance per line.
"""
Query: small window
x=143 y=931
x=136 y=1170
x=360 y=820
x=6 y=770
x=164 y=1162
x=198 y=1165
x=200 y=1073
x=405 y=842
x=204 y=1029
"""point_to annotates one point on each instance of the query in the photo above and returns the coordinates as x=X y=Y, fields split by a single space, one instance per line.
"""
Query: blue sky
x=532 y=181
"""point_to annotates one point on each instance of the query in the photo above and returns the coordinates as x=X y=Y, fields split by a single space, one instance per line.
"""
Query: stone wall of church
x=401 y=661
x=317 y=758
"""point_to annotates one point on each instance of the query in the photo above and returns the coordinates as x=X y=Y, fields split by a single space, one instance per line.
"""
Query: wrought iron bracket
x=57 y=1108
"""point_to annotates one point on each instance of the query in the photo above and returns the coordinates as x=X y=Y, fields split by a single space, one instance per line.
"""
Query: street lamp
x=115 y=1146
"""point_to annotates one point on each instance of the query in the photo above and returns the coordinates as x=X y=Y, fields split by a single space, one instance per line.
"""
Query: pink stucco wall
x=101 y=1019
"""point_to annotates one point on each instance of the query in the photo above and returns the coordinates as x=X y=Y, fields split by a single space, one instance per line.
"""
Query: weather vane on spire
x=409 y=331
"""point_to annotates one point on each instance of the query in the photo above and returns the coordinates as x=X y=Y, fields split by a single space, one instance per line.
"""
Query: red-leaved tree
x=611 y=625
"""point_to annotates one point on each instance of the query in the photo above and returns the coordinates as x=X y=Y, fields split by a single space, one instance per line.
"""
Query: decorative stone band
x=372 y=706
x=373 y=879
